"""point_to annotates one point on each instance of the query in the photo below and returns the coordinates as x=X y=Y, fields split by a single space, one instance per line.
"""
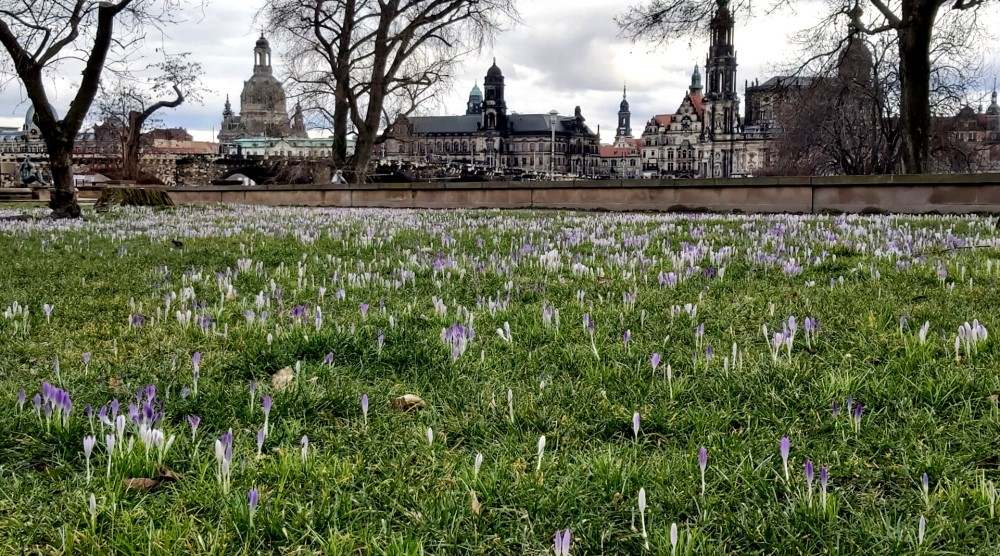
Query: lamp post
x=552 y=159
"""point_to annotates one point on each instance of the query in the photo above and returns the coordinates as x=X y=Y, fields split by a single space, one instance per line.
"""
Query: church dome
x=262 y=42
x=476 y=93
x=994 y=109
x=624 y=105
x=494 y=72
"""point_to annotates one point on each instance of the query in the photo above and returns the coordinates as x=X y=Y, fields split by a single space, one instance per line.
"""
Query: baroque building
x=490 y=136
x=263 y=110
x=706 y=137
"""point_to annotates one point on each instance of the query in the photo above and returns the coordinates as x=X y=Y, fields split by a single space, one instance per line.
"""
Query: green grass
x=379 y=488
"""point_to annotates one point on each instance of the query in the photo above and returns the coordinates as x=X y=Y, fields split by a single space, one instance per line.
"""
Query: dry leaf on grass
x=140 y=484
x=408 y=402
x=474 y=502
x=282 y=379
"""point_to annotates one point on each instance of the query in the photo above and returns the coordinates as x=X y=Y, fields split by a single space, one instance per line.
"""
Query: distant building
x=292 y=147
x=263 y=110
x=487 y=135
x=623 y=158
x=671 y=143
x=170 y=134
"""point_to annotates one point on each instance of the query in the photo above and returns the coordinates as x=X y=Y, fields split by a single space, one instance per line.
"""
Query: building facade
x=263 y=106
x=706 y=137
x=490 y=136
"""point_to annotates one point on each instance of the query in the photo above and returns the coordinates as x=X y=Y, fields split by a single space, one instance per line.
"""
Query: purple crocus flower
x=364 y=309
x=305 y=447
x=635 y=424
x=21 y=397
x=260 y=440
x=809 y=478
x=267 y=412
x=364 y=406
x=655 y=361
x=627 y=337
x=703 y=465
x=836 y=409
x=194 y=420
x=253 y=497
x=328 y=360
x=86 y=361
x=185 y=392
x=114 y=408
x=37 y=400
x=561 y=543
x=785 y=447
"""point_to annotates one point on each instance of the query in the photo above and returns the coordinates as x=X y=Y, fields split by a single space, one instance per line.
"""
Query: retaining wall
x=952 y=193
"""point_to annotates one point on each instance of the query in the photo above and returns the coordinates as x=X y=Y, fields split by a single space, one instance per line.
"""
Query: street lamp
x=552 y=159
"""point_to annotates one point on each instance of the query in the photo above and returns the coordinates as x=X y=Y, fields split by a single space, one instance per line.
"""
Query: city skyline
x=565 y=53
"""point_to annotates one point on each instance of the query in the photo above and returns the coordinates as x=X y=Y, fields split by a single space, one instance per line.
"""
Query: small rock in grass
x=408 y=402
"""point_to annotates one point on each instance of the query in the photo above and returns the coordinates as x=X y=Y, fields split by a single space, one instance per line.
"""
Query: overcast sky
x=564 y=53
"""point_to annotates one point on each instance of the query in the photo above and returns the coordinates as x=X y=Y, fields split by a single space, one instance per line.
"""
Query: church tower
x=624 y=118
x=475 y=104
x=262 y=57
x=263 y=107
x=721 y=117
x=695 y=89
x=494 y=107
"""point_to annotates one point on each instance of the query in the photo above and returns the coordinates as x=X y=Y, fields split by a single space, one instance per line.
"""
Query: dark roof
x=445 y=124
x=784 y=82
x=521 y=124
x=494 y=71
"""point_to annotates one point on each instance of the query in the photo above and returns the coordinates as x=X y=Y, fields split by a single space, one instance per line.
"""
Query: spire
x=625 y=91
x=696 y=81
x=994 y=109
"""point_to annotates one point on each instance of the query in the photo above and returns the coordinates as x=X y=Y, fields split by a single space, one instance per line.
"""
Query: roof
x=521 y=124
x=494 y=71
x=784 y=82
x=663 y=120
x=696 y=102
x=611 y=151
x=445 y=125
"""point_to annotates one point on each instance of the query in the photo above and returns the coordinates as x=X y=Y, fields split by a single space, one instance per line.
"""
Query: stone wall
x=899 y=194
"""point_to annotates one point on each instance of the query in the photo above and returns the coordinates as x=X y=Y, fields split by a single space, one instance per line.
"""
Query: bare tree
x=362 y=64
x=129 y=104
x=912 y=22
x=40 y=36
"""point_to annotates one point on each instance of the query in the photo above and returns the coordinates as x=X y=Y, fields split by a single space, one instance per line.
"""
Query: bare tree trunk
x=131 y=147
x=63 y=203
x=914 y=76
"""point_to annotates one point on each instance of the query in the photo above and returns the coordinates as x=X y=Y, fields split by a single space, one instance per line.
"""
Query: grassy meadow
x=653 y=383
